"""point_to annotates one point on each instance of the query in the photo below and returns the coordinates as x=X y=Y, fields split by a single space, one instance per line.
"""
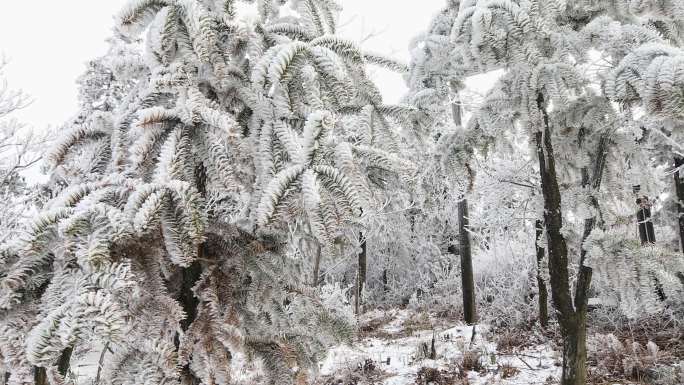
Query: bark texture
x=543 y=296
x=571 y=312
x=40 y=375
x=361 y=275
x=465 y=252
x=467 y=280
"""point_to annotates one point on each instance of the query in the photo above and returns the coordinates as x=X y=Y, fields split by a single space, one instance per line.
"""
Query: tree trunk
x=40 y=375
x=189 y=303
x=433 y=350
x=64 y=362
x=189 y=277
x=575 y=355
x=541 y=285
x=467 y=281
x=644 y=222
x=572 y=318
x=385 y=281
x=594 y=183
x=679 y=187
x=575 y=344
x=361 y=275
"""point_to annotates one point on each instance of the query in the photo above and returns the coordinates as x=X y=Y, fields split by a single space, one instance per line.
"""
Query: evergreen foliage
x=204 y=146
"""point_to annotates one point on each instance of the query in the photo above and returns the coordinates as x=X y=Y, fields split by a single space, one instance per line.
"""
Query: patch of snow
x=534 y=365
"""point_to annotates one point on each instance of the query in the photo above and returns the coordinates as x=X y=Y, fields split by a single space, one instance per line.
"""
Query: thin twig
x=524 y=362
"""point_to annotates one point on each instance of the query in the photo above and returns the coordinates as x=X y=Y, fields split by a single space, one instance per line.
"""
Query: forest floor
x=401 y=347
x=407 y=347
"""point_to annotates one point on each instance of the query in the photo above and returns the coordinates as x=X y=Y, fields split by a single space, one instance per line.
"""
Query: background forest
x=234 y=202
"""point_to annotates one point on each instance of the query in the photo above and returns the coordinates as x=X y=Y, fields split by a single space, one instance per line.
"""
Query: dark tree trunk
x=189 y=303
x=575 y=343
x=361 y=275
x=679 y=187
x=433 y=350
x=40 y=375
x=64 y=362
x=571 y=314
x=645 y=223
x=593 y=182
x=575 y=354
x=189 y=277
x=385 y=281
x=467 y=281
x=541 y=285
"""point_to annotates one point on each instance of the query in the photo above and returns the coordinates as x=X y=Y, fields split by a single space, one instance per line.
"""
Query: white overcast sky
x=49 y=41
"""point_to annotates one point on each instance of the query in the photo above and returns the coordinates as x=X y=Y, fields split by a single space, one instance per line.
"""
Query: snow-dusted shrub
x=638 y=281
x=505 y=282
x=206 y=144
x=505 y=279
x=335 y=299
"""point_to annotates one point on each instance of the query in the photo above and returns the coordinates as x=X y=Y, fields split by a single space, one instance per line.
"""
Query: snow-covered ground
x=395 y=352
x=394 y=347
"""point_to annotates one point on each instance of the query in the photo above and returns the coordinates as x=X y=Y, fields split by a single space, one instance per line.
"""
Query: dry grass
x=432 y=376
x=510 y=340
x=471 y=361
x=668 y=339
x=508 y=370
x=611 y=359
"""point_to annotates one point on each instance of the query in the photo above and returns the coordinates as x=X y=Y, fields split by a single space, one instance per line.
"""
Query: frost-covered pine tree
x=647 y=282
x=534 y=45
x=550 y=85
x=448 y=176
x=206 y=144
x=648 y=77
